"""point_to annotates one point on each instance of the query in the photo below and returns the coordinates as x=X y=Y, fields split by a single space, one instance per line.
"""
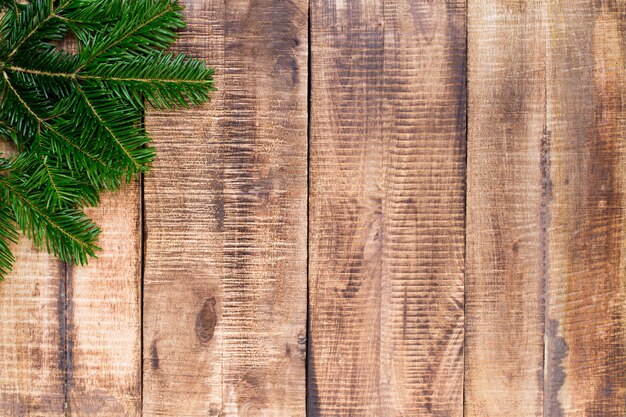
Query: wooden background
x=390 y=208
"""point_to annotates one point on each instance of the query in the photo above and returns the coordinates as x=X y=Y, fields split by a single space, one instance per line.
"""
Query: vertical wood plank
x=225 y=274
x=32 y=349
x=184 y=220
x=507 y=208
x=387 y=208
x=32 y=317
x=103 y=315
x=586 y=315
x=345 y=243
x=423 y=207
x=265 y=207
x=71 y=336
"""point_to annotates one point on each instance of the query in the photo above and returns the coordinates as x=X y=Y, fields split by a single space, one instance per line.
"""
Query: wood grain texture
x=32 y=348
x=507 y=215
x=184 y=214
x=70 y=336
x=103 y=312
x=103 y=315
x=225 y=276
x=387 y=208
x=540 y=238
x=506 y=209
x=586 y=314
x=31 y=312
x=546 y=299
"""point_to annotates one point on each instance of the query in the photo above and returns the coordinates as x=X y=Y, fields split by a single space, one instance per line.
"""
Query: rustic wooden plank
x=32 y=348
x=182 y=368
x=31 y=317
x=225 y=274
x=70 y=336
x=103 y=317
x=387 y=208
x=507 y=208
x=586 y=315
x=546 y=209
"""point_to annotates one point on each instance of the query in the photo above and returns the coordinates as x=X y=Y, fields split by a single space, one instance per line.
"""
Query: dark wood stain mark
x=312 y=390
x=206 y=321
x=302 y=344
x=154 y=355
x=260 y=190
x=287 y=66
x=553 y=375
x=297 y=350
x=66 y=337
x=219 y=212
x=544 y=212
x=60 y=307
x=456 y=30
x=555 y=354
x=545 y=168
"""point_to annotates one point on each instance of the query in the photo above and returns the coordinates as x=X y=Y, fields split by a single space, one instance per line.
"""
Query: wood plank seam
x=142 y=274
x=310 y=407
x=66 y=356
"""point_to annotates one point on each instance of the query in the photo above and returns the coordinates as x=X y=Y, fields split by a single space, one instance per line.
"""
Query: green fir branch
x=76 y=118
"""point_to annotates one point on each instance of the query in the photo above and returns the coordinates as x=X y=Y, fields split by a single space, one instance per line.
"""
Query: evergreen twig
x=75 y=118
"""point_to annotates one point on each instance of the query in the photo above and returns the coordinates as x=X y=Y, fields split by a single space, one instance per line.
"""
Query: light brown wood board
x=225 y=266
x=387 y=204
x=545 y=282
x=70 y=337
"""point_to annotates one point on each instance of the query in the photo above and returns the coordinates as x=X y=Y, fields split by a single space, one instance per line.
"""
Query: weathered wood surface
x=507 y=298
x=70 y=336
x=585 y=181
x=225 y=273
x=506 y=209
x=545 y=285
x=31 y=343
x=101 y=328
x=103 y=315
x=387 y=208
x=32 y=347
